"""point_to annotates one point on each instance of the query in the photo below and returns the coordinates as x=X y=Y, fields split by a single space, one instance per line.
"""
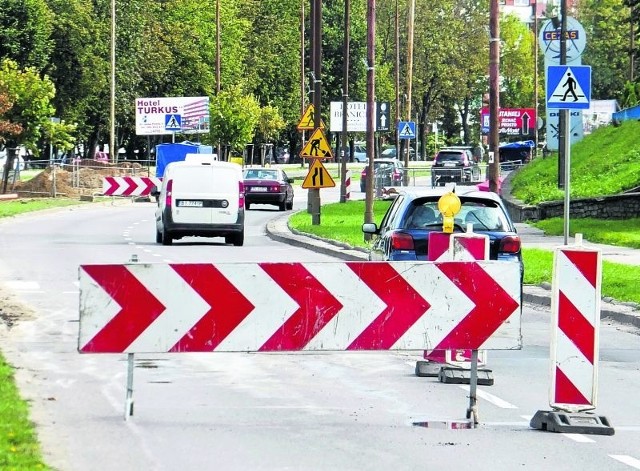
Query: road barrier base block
x=454 y=375
x=427 y=369
x=571 y=422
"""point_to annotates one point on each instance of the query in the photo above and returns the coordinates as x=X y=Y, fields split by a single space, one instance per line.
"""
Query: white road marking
x=628 y=460
x=576 y=437
x=527 y=417
x=23 y=285
x=495 y=400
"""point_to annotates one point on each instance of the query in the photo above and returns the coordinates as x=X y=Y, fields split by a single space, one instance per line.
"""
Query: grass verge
x=343 y=221
x=19 y=206
x=19 y=448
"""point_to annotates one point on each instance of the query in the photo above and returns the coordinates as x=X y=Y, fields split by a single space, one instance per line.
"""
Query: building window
x=521 y=3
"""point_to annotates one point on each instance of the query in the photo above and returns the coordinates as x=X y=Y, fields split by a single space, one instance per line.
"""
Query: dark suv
x=454 y=165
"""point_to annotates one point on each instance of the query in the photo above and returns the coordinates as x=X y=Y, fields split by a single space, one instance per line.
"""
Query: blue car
x=404 y=230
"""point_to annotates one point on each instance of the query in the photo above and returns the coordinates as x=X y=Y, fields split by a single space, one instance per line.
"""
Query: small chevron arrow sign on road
x=253 y=307
x=129 y=186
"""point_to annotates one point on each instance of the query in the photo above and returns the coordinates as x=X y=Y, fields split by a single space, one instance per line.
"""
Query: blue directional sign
x=407 y=130
x=568 y=87
x=172 y=122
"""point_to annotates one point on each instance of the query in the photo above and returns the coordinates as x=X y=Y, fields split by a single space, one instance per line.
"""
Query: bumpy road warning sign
x=318 y=177
x=317 y=146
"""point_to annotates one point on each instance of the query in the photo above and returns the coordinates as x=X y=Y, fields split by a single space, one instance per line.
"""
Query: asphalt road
x=320 y=411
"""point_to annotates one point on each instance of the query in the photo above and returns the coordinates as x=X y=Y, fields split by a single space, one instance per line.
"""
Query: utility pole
x=397 y=77
x=494 y=95
x=412 y=12
x=345 y=101
x=371 y=77
x=564 y=117
x=112 y=113
x=317 y=89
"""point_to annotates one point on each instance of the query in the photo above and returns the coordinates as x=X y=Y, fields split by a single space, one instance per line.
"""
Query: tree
x=516 y=63
x=25 y=32
x=31 y=97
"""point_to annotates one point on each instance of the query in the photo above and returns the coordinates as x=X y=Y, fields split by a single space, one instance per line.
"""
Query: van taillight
x=401 y=241
x=510 y=244
x=168 y=196
x=241 y=193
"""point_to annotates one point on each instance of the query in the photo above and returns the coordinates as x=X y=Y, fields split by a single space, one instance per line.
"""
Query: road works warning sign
x=317 y=147
x=318 y=177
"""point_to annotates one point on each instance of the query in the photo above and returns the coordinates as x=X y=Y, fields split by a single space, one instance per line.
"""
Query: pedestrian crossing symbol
x=568 y=87
x=407 y=130
x=318 y=177
x=317 y=147
x=172 y=122
x=308 y=119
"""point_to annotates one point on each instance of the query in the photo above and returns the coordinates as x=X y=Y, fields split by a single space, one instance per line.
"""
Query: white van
x=201 y=197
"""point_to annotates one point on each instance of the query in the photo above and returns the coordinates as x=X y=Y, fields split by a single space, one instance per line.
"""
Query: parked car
x=403 y=234
x=360 y=153
x=387 y=172
x=268 y=186
x=454 y=165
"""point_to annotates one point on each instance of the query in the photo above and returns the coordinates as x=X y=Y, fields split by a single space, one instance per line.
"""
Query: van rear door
x=205 y=194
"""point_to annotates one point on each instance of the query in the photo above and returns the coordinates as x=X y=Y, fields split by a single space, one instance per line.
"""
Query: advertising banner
x=186 y=115
x=518 y=122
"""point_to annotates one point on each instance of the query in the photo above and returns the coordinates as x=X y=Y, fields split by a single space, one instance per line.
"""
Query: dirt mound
x=75 y=181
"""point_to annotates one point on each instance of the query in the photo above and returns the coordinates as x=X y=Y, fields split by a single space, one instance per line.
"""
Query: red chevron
x=404 y=306
x=113 y=185
x=586 y=262
x=576 y=327
x=317 y=306
x=132 y=186
x=493 y=305
x=566 y=392
x=229 y=307
x=139 y=308
x=148 y=185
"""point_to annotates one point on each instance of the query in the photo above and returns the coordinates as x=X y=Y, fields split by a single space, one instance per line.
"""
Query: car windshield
x=261 y=174
x=449 y=157
x=483 y=215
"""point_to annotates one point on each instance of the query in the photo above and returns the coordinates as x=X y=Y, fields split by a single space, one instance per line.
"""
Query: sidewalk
x=623 y=312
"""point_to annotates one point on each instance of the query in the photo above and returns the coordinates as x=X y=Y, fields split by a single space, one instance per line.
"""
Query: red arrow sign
x=404 y=306
x=113 y=186
x=493 y=305
x=139 y=308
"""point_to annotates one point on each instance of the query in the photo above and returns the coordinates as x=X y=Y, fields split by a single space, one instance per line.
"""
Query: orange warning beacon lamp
x=448 y=205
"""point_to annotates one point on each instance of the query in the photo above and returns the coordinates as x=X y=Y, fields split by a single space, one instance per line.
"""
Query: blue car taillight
x=510 y=244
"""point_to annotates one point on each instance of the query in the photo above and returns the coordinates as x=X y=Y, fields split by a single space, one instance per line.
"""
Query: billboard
x=185 y=115
x=517 y=122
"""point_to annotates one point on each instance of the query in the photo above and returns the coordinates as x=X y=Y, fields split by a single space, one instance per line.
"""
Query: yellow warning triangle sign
x=308 y=119
x=317 y=147
x=318 y=177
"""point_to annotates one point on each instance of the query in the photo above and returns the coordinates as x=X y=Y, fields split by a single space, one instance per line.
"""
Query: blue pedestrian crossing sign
x=407 y=130
x=172 y=122
x=568 y=87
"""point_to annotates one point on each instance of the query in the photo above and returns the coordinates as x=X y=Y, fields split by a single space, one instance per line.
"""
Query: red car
x=268 y=186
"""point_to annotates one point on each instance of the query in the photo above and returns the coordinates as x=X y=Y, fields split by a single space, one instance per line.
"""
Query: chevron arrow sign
x=129 y=186
x=331 y=306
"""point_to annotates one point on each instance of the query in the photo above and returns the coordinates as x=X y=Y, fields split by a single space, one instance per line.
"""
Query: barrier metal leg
x=473 y=386
x=128 y=407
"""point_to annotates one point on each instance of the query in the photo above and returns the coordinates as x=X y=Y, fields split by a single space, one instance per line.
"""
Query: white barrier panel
x=151 y=308
x=129 y=186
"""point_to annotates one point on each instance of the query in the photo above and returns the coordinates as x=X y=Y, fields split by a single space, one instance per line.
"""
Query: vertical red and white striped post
x=575 y=327
x=577 y=273
x=347 y=185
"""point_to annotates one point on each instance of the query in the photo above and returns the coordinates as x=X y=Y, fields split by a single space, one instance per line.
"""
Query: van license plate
x=190 y=204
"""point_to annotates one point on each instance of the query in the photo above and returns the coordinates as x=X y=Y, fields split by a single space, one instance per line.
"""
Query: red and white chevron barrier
x=332 y=306
x=129 y=186
x=577 y=275
x=462 y=247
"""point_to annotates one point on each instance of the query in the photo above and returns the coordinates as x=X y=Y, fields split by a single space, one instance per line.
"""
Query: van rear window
x=205 y=179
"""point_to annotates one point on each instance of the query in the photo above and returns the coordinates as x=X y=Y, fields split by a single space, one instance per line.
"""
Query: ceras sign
x=333 y=306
